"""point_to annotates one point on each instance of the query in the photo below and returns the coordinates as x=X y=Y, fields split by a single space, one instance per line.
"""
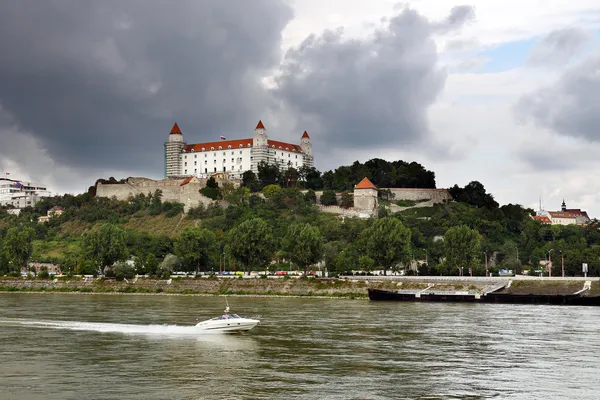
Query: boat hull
x=498 y=298
x=228 y=326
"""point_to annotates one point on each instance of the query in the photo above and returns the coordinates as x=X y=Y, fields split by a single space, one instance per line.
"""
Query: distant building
x=53 y=212
x=566 y=216
x=17 y=194
x=365 y=196
x=233 y=157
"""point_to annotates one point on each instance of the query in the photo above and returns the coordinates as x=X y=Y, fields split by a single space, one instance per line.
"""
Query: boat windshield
x=228 y=316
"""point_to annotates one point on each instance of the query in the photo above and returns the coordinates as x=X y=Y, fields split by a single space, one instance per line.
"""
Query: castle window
x=220 y=148
x=287 y=149
x=280 y=149
x=232 y=160
x=205 y=155
x=273 y=146
x=212 y=148
x=224 y=169
x=241 y=145
x=195 y=163
x=205 y=170
x=185 y=172
x=215 y=169
x=296 y=155
x=203 y=150
x=186 y=163
x=289 y=155
x=205 y=161
x=214 y=161
x=214 y=154
x=229 y=146
x=195 y=170
x=224 y=161
x=248 y=144
x=192 y=150
x=195 y=155
x=240 y=152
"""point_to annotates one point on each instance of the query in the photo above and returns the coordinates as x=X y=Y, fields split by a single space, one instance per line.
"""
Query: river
x=61 y=346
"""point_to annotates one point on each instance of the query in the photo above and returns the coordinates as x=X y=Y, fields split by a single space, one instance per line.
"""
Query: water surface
x=59 y=346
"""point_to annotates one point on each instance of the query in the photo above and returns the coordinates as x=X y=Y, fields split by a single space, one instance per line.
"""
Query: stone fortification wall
x=347 y=212
x=172 y=190
x=433 y=195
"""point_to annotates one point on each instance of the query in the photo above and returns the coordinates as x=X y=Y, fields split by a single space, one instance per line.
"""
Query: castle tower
x=260 y=147
x=173 y=149
x=306 y=150
x=563 y=206
x=365 y=196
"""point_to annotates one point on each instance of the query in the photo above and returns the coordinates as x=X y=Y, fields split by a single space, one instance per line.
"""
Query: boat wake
x=103 y=327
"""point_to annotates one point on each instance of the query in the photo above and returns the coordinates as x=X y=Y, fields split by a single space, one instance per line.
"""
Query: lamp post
x=562 y=262
x=549 y=266
x=486 y=263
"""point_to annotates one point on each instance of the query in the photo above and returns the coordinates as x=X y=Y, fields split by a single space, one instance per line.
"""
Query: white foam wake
x=154 y=330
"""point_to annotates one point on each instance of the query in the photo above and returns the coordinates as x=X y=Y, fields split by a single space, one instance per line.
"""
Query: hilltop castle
x=234 y=157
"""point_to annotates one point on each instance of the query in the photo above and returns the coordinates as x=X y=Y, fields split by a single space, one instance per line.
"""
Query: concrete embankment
x=346 y=287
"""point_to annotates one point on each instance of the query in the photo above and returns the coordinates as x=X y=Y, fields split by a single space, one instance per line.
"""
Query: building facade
x=233 y=157
x=566 y=216
x=18 y=194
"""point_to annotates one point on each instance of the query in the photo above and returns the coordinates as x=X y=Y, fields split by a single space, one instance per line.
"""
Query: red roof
x=577 y=211
x=542 y=218
x=260 y=125
x=283 y=145
x=365 y=184
x=561 y=214
x=186 y=181
x=305 y=135
x=175 y=129
x=235 y=144
x=240 y=143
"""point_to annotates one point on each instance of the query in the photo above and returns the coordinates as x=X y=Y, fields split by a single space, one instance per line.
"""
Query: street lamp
x=486 y=262
x=549 y=266
x=562 y=262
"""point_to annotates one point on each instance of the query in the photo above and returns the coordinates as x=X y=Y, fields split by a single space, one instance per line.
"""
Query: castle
x=233 y=157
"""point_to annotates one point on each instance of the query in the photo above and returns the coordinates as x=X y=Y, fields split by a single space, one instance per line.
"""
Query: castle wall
x=172 y=190
x=433 y=195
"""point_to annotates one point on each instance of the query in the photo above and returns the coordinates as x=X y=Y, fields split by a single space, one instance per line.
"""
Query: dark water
x=57 y=346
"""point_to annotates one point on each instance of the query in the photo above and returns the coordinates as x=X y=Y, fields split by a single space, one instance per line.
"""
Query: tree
x=106 y=245
x=270 y=191
x=462 y=247
x=387 y=242
x=251 y=243
x=347 y=200
x=290 y=177
x=269 y=174
x=250 y=181
x=310 y=196
x=196 y=246
x=16 y=248
x=328 y=198
x=304 y=244
x=211 y=190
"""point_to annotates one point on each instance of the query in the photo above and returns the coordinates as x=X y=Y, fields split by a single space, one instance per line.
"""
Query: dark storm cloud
x=558 y=47
x=373 y=92
x=101 y=82
x=570 y=106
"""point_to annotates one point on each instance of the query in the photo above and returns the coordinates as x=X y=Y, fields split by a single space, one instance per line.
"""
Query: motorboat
x=227 y=323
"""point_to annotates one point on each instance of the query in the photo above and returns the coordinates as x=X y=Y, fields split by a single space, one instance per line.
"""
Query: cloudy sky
x=502 y=91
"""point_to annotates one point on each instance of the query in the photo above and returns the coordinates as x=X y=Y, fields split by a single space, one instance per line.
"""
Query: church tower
x=563 y=206
x=307 y=150
x=173 y=149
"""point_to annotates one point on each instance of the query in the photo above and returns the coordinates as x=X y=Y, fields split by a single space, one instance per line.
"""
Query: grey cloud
x=458 y=17
x=558 y=47
x=100 y=83
x=365 y=93
x=570 y=106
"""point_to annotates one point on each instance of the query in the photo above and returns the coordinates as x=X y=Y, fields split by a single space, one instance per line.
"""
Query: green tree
x=462 y=247
x=250 y=181
x=151 y=264
x=387 y=242
x=251 y=244
x=269 y=174
x=328 y=198
x=211 y=190
x=196 y=246
x=347 y=200
x=105 y=246
x=16 y=249
x=271 y=190
x=304 y=244
x=310 y=196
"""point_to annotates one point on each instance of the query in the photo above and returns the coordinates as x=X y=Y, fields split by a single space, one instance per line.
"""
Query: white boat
x=227 y=323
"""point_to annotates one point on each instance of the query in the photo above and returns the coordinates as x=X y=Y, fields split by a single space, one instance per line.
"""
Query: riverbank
x=348 y=287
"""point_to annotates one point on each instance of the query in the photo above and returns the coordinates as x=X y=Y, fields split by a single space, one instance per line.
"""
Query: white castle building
x=233 y=157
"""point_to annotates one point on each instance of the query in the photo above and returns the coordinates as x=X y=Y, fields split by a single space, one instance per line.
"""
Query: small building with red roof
x=365 y=196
